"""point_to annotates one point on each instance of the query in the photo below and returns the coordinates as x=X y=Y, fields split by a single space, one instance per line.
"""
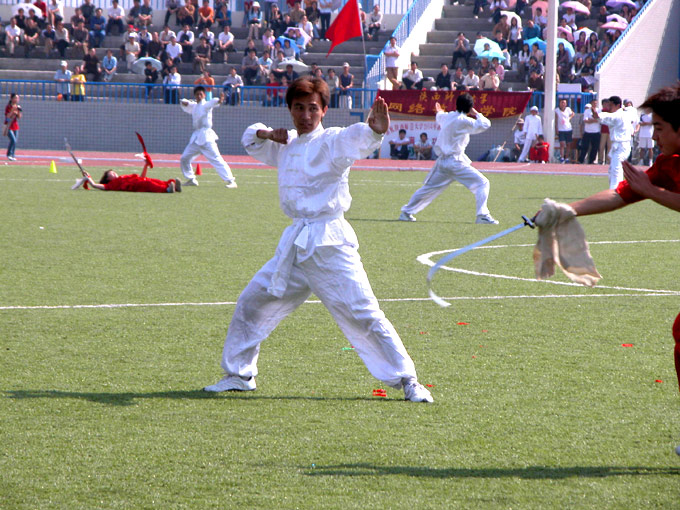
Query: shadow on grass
x=526 y=473
x=130 y=398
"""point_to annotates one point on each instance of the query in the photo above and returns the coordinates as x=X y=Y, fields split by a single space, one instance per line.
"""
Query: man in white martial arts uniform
x=203 y=139
x=319 y=251
x=533 y=125
x=620 y=133
x=452 y=163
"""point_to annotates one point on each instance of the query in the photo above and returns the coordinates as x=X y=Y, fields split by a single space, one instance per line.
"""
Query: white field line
x=426 y=259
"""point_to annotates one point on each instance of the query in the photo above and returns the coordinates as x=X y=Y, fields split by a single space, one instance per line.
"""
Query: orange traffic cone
x=198 y=169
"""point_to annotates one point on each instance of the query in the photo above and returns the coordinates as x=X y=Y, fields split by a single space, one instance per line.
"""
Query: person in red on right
x=660 y=182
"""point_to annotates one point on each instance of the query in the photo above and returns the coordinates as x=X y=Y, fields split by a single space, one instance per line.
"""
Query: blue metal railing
x=375 y=65
x=623 y=35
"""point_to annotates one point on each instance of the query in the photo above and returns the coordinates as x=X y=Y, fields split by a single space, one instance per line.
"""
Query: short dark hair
x=200 y=88
x=306 y=86
x=666 y=104
x=616 y=100
x=464 y=103
x=106 y=177
x=402 y=131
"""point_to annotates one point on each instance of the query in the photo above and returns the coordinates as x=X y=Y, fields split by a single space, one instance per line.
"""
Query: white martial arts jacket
x=456 y=128
x=533 y=125
x=313 y=176
x=201 y=118
x=620 y=126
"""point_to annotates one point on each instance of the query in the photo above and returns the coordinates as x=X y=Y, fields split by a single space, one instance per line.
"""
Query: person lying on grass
x=111 y=181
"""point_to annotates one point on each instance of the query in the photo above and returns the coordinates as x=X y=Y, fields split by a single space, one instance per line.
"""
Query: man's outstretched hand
x=379 y=117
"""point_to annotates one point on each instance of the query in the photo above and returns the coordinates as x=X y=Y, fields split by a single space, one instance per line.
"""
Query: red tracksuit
x=134 y=182
x=664 y=173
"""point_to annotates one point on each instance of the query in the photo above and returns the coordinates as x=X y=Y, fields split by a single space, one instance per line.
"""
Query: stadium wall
x=646 y=59
x=166 y=129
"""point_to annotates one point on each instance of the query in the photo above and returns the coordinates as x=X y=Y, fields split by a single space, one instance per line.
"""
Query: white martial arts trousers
x=336 y=275
x=525 y=148
x=445 y=171
x=211 y=153
x=617 y=155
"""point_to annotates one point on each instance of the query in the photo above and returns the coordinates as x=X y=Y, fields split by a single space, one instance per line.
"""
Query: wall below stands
x=166 y=129
x=646 y=59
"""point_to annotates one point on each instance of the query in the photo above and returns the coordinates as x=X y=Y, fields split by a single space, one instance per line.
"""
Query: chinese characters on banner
x=494 y=105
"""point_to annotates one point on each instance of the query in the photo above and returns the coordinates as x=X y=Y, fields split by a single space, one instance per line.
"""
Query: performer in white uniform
x=620 y=133
x=319 y=252
x=203 y=139
x=452 y=163
x=533 y=125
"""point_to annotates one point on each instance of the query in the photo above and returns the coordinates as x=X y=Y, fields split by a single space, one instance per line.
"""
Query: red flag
x=345 y=26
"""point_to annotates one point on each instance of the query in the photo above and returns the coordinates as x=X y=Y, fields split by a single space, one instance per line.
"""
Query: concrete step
x=463 y=25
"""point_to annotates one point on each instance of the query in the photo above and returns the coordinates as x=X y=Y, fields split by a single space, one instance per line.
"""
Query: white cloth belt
x=297 y=235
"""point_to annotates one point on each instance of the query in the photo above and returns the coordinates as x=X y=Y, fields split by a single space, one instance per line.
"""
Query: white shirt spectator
x=190 y=35
x=646 y=131
x=173 y=79
x=414 y=76
x=563 y=119
x=13 y=31
x=173 y=50
x=225 y=38
x=471 y=81
x=391 y=58
x=209 y=36
x=234 y=81
x=590 y=127
x=115 y=12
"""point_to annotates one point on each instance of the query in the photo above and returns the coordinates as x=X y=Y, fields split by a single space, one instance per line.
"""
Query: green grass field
x=537 y=404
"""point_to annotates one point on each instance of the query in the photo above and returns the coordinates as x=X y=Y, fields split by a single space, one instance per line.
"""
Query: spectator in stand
x=399 y=146
x=479 y=7
x=185 y=38
x=116 y=16
x=346 y=84
x=61 y=38
x=276 y=22
x=232 y=87
x=498 y=67
x=515 y=37
x=576 y=69
x=471 y=80
x=155 y=47
x=63 y=79
x=563 y=117
x=48 y=36
x=97 y=28
x=186 y=14
x=202 y=57
x=502 y=26
x=581 y=44
x=225 y=43
x=223 y=15
x=132 y=50
x=296 y=13
x=458 y=80
x=78 y=80
x=133 y=13
x=206 y=15
x=31 y=36
x=166 y=34
x=391 y=56
x=20 y=18
x=325 y=10
x=412 y=78
x=594 y=46
x=375 y=20
x=601 y=18
x=536 y=66
x=422 y=148
x=563 y=63
x=13 y=36
x=313 y=16
x=39 y=22
x=174 y=51
x=461 y=49
x=290 y=75
x=80 y=37
x=250 y=68
x=250 y=45
x=266 y=63
x=268 y=39
x=444 y=79
x=272 y=97
x=496 y=7
x=333 y=83
x=143 y=38
x=530 y=31
x=536 y=82
x=91 y=65
x=208 y=82
x=564 y=31
x=503 y=45
x=55 y=12
x=172 y=7
x=483 y=66
x=569 y=18
x=255 y=21
x=150 y=77
x=523 y=61
x=288 y=50
x=109 y=66
x=540 y=20
x=590 y=142
x=533 y=126
x=171 y=86
x=77 y=17
x=490 y=80
x=87 y=10
x=208 y=36
x=145 y=18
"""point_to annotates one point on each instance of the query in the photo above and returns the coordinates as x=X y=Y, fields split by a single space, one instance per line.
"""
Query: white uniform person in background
x=533 y=126
x=203 y=139
x=452 y=163
x=319 y=252
x=620 y=133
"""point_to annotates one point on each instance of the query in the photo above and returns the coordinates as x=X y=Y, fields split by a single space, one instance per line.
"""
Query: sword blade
x=433 y=270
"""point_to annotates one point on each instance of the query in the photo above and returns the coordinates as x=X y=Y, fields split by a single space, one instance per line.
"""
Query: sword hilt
x=529 y=222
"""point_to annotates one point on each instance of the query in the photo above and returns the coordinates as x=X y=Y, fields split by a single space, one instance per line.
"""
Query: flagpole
x=363 y=41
